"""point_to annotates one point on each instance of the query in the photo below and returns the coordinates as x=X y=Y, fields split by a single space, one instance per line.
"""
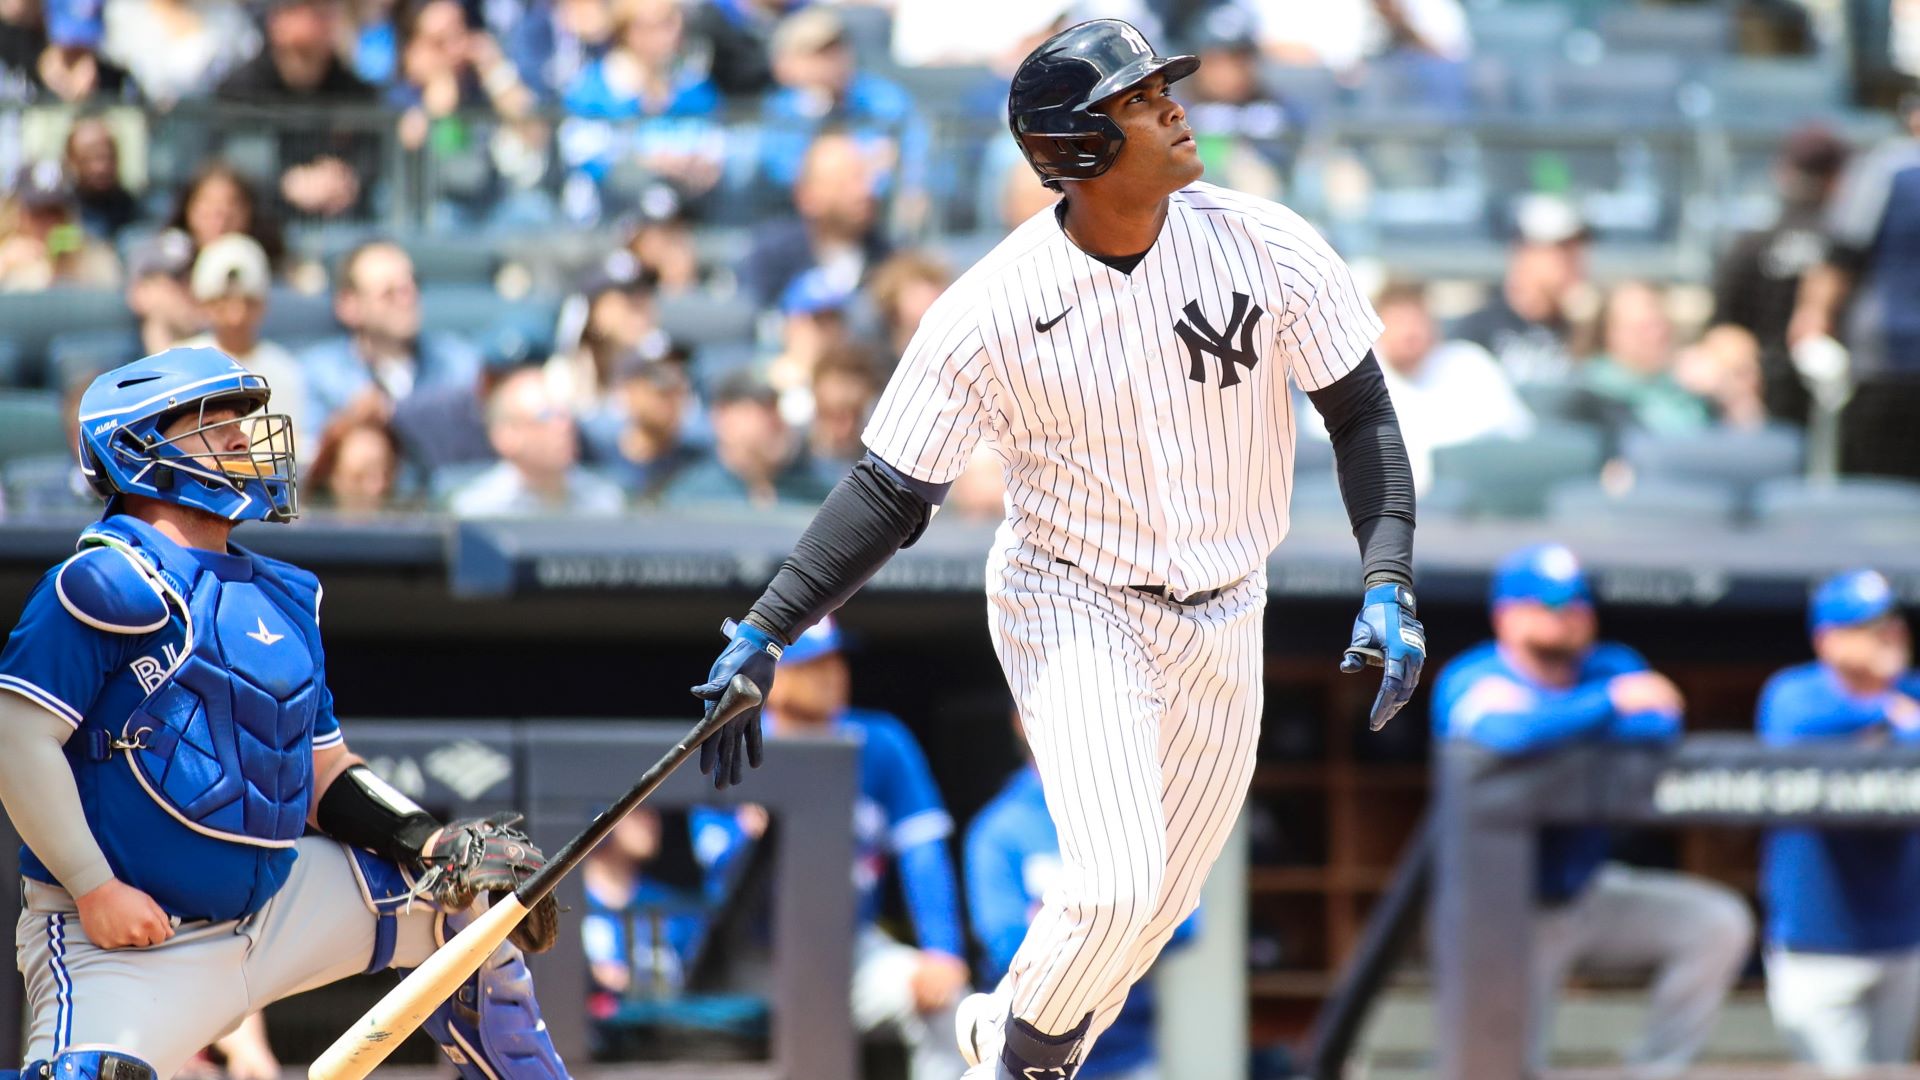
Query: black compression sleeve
x=867 y=517
x=1376 y=482
x=361 y=809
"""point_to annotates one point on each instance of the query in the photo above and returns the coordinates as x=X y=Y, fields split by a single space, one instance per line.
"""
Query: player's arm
x=1376 y=483
x=1506 y=718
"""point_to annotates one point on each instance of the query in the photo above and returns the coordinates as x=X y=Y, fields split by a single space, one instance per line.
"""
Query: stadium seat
x=33 y=319
x=1585 y=508
x=472 y=309
x=294 y=318
x=79 y=355
x=1738 y=460
x=701 y=319
x=1312 y=88
x=1530 y=33
x=12 y=364
x=43 y=484
x=1694 y=32
x=447 y=260
x=1849 y=507
x=1632 y=89
x=1773 y=92
x=1511 y=477
x=31 y=422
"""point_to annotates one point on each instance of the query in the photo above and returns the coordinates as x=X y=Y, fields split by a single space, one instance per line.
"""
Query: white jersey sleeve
x=1328 y=326
x=935 y=406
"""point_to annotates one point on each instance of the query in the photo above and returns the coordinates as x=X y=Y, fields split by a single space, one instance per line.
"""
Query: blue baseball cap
x=1547 y=574
x=820 y=639
x=816 y=291
x=75 y=24
x=1849 y=599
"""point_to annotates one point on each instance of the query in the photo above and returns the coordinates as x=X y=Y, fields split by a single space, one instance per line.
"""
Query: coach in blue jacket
x=1843 y=906
x=1543 y=683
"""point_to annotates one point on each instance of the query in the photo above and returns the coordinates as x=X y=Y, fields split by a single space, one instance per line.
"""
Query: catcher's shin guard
x=491 y=1027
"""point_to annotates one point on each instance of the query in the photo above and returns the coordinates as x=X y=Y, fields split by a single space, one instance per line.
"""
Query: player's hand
x=1387 y=636
x=117 y=915
x=938 y=981
x=1644 y=692
x=751 y=652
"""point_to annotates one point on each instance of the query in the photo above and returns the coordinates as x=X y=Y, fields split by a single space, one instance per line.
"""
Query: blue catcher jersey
x=216 y=713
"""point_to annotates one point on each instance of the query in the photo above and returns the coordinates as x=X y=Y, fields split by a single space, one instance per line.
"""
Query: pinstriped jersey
x=1144 y=418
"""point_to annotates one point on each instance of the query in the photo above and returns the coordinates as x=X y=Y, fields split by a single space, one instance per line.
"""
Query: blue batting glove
x=752 y=653
x=1387 y=636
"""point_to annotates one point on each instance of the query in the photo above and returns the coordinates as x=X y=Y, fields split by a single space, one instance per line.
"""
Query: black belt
x=1159 y=592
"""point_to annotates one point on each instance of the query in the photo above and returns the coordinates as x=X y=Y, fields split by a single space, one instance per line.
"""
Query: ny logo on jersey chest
x=1203 y=340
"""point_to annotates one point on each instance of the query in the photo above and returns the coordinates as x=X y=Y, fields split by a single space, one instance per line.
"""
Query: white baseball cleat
x=979 y=1023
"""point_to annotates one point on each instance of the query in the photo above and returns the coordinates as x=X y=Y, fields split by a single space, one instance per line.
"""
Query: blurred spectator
x=22 y=38
x=41 y=241
x=230 y=282
x=615 y=313
x=647 y=75
x=357 y=468
x=446 y=426
x=157 y=292
x=1545 y=683
x=178 y=49
x=935 y=33
x=1723 y=369
x=539 y=470
x=647 y=72
x=903 y=288
x=218 y=201
x=1872 y=273
x=822 y=86
x=1344 y=35
x=1247 y=136
x=53 y=483
x=661 y=239
x=838 y=224
x=93 y=160
x=649 y=448
x=757 y=459
x=384 y=356
x=1636 y=365
x=447 y=67
x=639 y=932
x=898 y=820
x=322 y=165
x=1756 y=281
x=1022 y=195
x=70 y=67
x=845 y=388
x=735 y=34
x=1446 y=392
x=814 y=320
x=1843 y=933
x=1525 y=324
x=1012 y=858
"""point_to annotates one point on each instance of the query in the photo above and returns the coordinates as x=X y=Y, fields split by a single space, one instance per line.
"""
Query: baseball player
x=166 y=740
x=1129 y=351
x=1546 y=682
x=1843 y=932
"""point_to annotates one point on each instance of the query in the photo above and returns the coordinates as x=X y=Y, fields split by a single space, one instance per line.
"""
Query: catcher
x=166 y=741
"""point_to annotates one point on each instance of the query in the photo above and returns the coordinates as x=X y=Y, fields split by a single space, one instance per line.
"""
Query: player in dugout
x=1843 y=930
x=1545 y=682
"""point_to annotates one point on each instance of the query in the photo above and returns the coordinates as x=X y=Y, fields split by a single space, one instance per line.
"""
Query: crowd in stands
x=649 y=366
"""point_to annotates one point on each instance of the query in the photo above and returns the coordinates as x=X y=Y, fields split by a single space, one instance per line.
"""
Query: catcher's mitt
x=476 y=855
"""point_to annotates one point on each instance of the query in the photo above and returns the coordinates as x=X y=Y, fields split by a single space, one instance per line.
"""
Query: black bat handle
x=741 y=695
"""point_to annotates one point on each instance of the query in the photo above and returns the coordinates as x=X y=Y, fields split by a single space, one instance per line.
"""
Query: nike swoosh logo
x=1044 y=325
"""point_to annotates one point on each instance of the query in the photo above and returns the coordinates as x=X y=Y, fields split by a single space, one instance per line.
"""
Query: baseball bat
x=394 y=1017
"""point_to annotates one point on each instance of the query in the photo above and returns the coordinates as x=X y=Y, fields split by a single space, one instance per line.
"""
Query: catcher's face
x=1159 y=152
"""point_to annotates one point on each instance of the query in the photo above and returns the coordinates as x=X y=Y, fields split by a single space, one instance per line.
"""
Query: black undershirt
x=872 y=513
x=1122 y=263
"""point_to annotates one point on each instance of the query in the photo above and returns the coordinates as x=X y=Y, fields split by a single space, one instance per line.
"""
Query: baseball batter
x=1129 y=352
x=166 y=739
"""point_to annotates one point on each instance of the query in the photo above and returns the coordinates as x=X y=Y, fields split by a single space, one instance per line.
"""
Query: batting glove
x=1387 y=636
x=752 y=653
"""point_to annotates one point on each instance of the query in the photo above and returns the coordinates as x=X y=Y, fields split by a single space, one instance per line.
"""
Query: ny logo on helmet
x=1201 y=337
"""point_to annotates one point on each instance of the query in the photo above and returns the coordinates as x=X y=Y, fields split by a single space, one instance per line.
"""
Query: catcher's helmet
x=1049 y=106
x=124 y=448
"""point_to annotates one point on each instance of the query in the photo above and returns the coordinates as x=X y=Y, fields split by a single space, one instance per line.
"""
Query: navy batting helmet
x=1050 y=105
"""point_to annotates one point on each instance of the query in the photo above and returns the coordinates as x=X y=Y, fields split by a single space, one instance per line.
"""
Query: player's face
x=1874 y=652
x=220 y=437
x=809 y=695
x=1159 y=152
x=1556 y=634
